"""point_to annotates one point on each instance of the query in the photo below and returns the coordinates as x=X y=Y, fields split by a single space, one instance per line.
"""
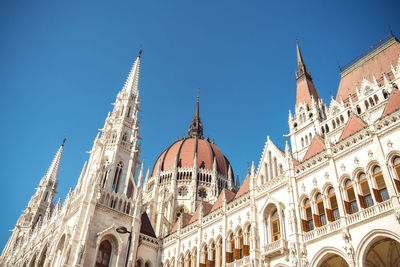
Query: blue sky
x=62 y=64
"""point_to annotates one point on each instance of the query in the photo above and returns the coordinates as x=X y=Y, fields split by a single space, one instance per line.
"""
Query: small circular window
x=182 y=191
x=202 y=193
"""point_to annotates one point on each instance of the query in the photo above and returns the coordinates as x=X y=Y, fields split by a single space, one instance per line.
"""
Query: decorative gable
x=317 y=146
x=353 y=125
x=393 y=103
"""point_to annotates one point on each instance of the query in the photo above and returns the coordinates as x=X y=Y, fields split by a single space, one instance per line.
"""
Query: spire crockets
x=52 y=172
x=196 y=128
x=132 y=82
x=305 y=87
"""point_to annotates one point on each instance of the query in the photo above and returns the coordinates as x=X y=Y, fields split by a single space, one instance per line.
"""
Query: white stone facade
x=333 y=199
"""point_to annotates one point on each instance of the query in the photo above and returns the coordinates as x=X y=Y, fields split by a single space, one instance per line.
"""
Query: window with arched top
x=365 y=196
x=275 y=226
x=104 y=254
x=358 y=109
x=376 y=99
x=351 y=203
x=308 y=222
x=230 y=246
x=125 y=137
x=396 y=167
x=302 y=142
x=128 y=115
x=239 y=248
x=219 y=252
x=366 y=104
x=211 y=257
x=117 y=177
x=380 y=190
x=306 y=140
x=114 y=136
x=385 y=94
x=320 y=218
x=333 y=211
x=204 y=256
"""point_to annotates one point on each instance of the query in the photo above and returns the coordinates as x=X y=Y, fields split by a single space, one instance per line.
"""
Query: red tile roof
x=206 y=209
x=185 y=221
x=145 y=227
x=353 y=125
x=393 y=103
x=245 y=187
x=374 y=66
x=229 y=196
x=306 y=89
x=317 y=146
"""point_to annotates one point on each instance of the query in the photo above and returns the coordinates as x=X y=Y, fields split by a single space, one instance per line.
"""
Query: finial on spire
x=140 y=52
x=301 y=66
x=63 y=142
x=196 y=128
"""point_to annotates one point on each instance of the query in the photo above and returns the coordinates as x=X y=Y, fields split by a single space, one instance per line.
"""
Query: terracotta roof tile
x=245 y=187
x=185 y=221
x=296 y=162
x=306 y=89
x=317 y=146
x=206 y=209
x=353 y=125
x=374 y=66
x=229 y=196
x=146 y=227
x=393 y=103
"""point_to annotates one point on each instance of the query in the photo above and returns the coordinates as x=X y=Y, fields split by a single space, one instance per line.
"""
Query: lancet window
x=104 y=254
x=117 y=177
x=380 y=192
x=365 y=196
x=396 y=167
x=351 y=203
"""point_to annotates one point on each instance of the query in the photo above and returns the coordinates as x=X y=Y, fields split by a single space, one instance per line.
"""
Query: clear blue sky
x=62 y=65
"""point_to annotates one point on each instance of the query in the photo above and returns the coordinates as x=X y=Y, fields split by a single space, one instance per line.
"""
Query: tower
x=309 y=110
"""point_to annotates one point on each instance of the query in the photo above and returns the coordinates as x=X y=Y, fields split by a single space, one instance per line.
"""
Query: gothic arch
x=356 y=172
x=43 y=255
x=314 y=192
x=324 y=252
x=391 y=155
x=368 y=240
x=371 y=165
x=343 y=178
x=325 y=187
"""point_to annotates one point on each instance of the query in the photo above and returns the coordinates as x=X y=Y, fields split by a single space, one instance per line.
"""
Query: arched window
x=124 y=137
x=117 y=177
x=366 y=104
x=371 y=102
x=230 y=242
x=129 y=112
x=333 y=124
x=333 y=212
x=204 y=257
x=211 y=257
x=320 y=219
x=376 y=99
x=307 y=223
x=139 y=263
x=114 y=136
x=310 y=135
x=385 y=94
x=122 y=111
x=275 y=226
x=396 y=167
x=351 y=203
x=105 y=174
x=365 y=197
x=246 y=242
x=306 y=140
x=326 y=128
x=341 y=118
x=380 y=193
x=219 y=256
x=104 y=254
x=302 y=142
x=239 y=249
x=358 y=109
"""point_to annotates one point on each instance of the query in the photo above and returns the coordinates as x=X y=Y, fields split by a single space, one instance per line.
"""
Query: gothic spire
x=52 y=172
x=132 y=82
x=306 y=91
x=196 y=128
x=301 y=66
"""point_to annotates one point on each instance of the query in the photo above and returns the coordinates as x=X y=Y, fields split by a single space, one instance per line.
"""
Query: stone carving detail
x=304 y=260
x=293 y=255
x=397 y=214
x=348 y=247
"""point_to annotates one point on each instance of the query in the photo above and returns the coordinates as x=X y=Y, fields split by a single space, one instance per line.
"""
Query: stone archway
x=382 y=252
x=332 y=260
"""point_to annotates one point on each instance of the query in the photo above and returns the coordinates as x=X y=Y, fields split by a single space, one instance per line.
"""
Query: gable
x=353 y=125
x=317 y=146
x=393 y=103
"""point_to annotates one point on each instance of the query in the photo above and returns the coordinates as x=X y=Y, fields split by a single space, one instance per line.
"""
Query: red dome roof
x=184 y=151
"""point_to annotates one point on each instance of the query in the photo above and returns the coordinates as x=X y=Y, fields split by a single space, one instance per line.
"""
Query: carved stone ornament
x=356 y=160
x=314 y=181
x=397 y=214
x=293 y=254
x=370 y=153
x=303 y=187
x=304 y=260
x=326 y=175
x=343 y=167
x=389 y=144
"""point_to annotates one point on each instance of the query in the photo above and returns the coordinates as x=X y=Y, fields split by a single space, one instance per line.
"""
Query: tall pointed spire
x=132 y=82
x=301 y=67
x=306 y=91
x=196 y=128
x=52 y=172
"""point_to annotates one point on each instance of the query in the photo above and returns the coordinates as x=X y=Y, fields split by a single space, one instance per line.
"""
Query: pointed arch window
x=114 y=136
x=351 y=203
x=333 y=212
x=307 y=223
x=320 y=218
x=239 y=248
x=229 y=249
x=275 y=226
x=396 y=167
x=128 y=115
x=380 y=192
x=365 y=196
x=104 y=254
x=117 y=177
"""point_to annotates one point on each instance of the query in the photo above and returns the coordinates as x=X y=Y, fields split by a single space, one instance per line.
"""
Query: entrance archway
x=382 y=252
x=332 y=260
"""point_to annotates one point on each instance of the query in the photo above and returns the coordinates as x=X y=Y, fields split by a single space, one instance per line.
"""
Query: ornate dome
x=182 y=154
